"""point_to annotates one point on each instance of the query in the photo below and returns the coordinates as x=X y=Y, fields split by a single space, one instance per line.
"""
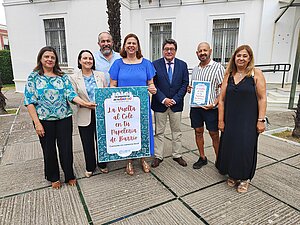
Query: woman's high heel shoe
x=145 y=166
x=129 y=169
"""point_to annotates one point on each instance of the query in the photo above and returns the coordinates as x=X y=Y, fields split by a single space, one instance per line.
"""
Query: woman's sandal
x=72 y=182
x=129 y=169
x=56 y=184
x=88 y=174
x=103 y=170
x=243 y=186
x=231 y=182
x=145 y=166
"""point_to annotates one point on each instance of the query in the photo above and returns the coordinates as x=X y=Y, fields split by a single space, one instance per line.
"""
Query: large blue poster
x=122 y=121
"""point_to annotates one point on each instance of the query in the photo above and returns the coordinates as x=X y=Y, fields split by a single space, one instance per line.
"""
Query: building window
x=5 y=43
x=225 y=39
x=158 y=33
x=55 y=37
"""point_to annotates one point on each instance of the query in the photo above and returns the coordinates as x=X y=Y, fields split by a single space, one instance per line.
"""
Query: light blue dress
x=128 y=75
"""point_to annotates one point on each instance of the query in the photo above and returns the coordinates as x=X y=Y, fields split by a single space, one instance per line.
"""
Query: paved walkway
x=170 y=194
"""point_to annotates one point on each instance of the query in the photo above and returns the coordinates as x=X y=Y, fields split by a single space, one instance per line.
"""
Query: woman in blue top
x=133 y=70
x=48 y=92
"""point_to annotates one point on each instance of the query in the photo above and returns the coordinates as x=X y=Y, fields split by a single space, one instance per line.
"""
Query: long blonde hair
x=231 y=67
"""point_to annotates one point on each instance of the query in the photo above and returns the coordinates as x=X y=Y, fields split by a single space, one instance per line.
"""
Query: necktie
x=170 y=74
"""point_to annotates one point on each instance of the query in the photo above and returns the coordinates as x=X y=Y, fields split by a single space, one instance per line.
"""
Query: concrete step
x=271 y=102
x=278 y=98
x=281 y=97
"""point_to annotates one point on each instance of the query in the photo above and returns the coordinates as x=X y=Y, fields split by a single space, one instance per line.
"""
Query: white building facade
x=73 y=25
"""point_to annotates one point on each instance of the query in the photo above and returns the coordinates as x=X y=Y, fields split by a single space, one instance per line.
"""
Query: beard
x=204 y=57
x=106 y=50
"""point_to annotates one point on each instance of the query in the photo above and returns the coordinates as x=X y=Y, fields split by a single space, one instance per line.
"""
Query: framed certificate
x=122 y=123
x=200 y=93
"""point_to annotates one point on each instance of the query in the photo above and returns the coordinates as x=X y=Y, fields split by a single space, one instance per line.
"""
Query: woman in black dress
x=242 y=111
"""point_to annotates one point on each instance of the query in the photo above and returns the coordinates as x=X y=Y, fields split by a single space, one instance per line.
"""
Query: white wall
x=192 y=23
x=27 y=36
x=277 y=40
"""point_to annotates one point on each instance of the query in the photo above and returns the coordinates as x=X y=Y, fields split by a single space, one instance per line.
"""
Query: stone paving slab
x=294 y=161
x=280 y=181
x=79 y=165
x=221 y=204
x=183 y=180
x=263 y=161
x=22 y=137
x=116 y=194
x=6 y=122
x=276 y=119
x=21 y=177
x=189 y=142
x=276 y=149
x=173 y=212
x=22 y=152
x=186 y=121
x=45 y=206
x=184 y=127
x=208 y=151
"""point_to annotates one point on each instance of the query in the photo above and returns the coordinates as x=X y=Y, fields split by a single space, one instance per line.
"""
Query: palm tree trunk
x=114 y=21
x=296 y=131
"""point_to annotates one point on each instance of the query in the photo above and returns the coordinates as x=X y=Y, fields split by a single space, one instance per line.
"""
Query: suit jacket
x=176 y=90
x=77 y=80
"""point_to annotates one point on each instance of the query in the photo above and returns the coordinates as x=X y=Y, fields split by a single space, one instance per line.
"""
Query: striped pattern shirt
x=213 y=72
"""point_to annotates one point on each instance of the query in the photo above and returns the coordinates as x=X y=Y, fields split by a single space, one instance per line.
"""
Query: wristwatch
x=214 y=105
x=261 y=120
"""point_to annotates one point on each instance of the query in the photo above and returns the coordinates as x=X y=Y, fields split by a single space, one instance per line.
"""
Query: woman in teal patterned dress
x=48 y=92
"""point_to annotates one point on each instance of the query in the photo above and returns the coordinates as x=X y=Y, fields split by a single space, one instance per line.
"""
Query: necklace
x=241 y=75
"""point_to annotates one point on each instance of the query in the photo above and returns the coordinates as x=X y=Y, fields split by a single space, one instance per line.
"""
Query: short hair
x=79 y=57
x=123 y=53
x=169 y=41
x=231 y=65
x=203 y=43
x=39 y=67
x=105 y=32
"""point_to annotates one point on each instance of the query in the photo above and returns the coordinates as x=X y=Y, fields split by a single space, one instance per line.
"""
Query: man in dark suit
x=171 y=81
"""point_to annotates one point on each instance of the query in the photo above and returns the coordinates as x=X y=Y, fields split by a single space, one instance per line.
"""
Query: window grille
x=55 y=37
x=225 y=39
x=158 y=33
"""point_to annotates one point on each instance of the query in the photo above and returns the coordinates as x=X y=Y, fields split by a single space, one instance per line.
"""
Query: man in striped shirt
x=207 y=70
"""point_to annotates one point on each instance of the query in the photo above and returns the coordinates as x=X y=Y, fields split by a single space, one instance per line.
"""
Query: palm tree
x=296 y=131
x=114 y=21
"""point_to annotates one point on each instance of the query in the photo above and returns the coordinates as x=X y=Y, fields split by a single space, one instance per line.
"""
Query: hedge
x=6 y=72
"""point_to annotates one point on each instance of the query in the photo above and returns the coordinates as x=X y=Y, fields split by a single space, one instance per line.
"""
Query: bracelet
x=261 y=120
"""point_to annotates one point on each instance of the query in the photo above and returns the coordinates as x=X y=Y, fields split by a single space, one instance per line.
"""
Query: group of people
x=236 y=105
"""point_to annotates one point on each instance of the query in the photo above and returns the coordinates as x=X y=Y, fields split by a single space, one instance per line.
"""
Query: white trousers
x=160 y=126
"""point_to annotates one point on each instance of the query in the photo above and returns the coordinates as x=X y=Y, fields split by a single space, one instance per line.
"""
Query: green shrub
x=6 y=72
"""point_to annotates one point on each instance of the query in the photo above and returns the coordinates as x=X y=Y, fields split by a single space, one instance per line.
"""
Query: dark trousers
x=57 y=132
x=88 y=137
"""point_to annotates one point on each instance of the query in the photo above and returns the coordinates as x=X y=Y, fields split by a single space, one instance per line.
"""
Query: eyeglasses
x=169 y=49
